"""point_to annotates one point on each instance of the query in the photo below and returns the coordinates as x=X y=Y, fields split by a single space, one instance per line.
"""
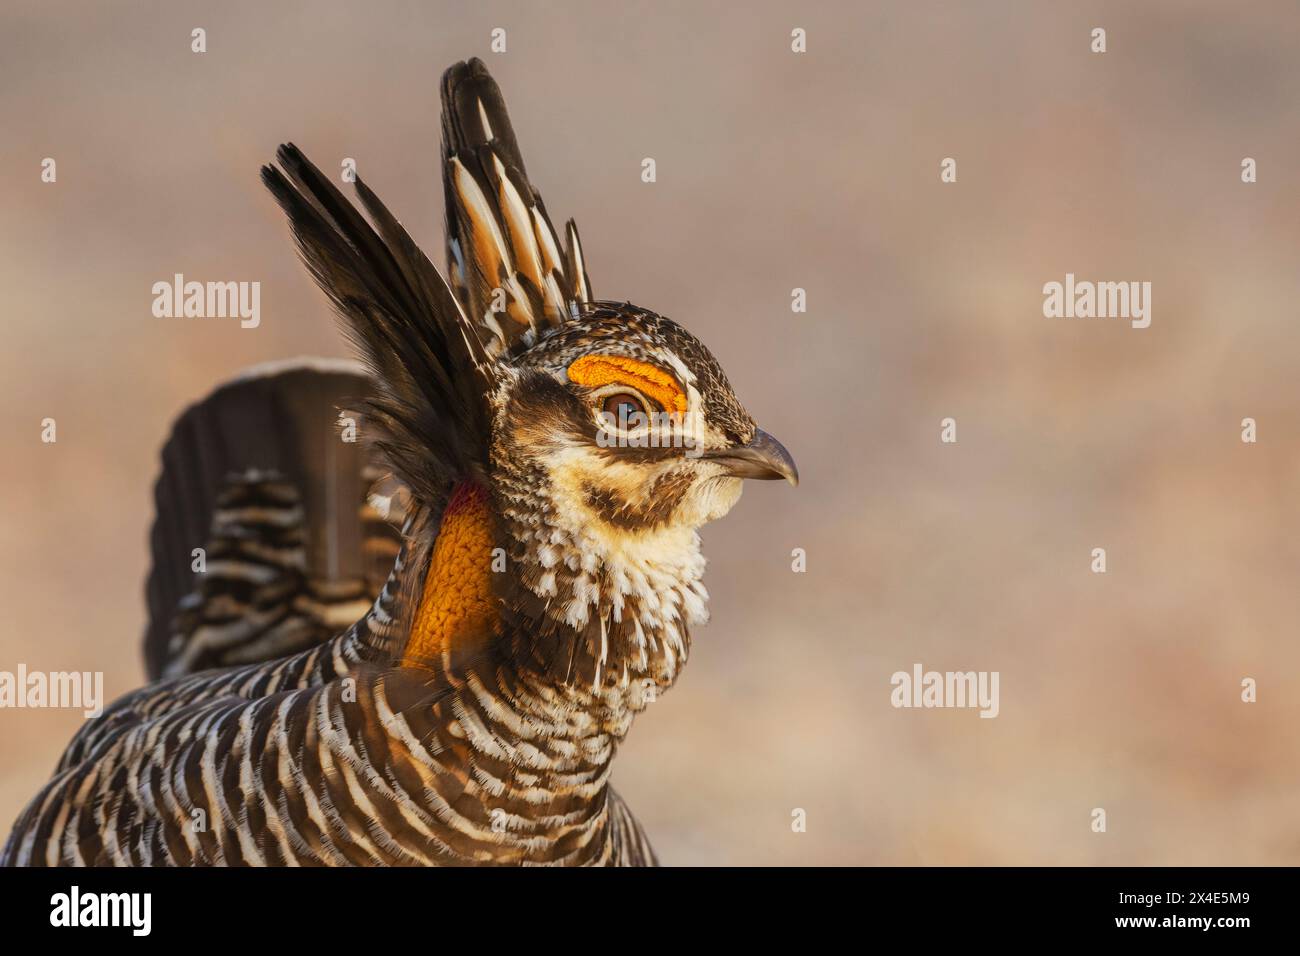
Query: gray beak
x=764 y=458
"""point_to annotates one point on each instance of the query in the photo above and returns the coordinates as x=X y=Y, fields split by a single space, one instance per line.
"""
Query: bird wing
x=511 y=272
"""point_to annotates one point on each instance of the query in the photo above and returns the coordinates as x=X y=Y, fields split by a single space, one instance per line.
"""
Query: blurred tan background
x=775 y=170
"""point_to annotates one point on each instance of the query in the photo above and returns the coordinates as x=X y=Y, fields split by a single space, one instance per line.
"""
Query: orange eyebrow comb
x=597 y=370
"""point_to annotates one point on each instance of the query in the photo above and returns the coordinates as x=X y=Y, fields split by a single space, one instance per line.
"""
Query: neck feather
x=596 y=605
x=583 y=605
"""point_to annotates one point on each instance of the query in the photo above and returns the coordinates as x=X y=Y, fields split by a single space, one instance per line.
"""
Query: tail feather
x=260 y=477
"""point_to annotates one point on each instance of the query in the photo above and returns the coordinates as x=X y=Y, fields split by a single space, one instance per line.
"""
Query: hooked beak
x=764 y=458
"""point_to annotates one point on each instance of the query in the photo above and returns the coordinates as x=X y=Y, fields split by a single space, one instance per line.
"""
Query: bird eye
x=622 y=405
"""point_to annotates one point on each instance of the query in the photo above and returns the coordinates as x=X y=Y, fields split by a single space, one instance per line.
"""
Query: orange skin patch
x=457 y=603
x=595 y=371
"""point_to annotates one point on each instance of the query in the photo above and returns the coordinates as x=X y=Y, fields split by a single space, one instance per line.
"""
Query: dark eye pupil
x=621 y=406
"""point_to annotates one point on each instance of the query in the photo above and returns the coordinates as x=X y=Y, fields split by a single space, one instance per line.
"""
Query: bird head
x=629 y=426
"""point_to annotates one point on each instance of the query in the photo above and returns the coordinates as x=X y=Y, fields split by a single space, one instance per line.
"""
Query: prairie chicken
x=550 y=458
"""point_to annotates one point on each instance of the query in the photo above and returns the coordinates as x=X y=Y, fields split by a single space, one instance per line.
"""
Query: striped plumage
x=330 y=758
x=547 y=581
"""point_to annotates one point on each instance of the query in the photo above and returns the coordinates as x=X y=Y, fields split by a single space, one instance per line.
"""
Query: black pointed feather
x=431 y=373
x=580 y=283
